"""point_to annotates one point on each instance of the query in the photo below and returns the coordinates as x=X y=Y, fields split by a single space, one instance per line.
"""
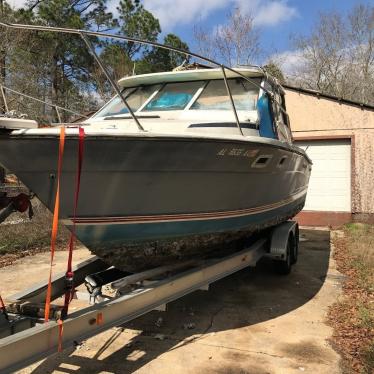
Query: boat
x=13 y=121
x=211 y=164
x=13 y=195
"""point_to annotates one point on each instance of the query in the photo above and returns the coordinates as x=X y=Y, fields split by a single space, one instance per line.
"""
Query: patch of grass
x=360 y=244
x=366 y=316
x=29 y=235
x=353 y=317
x=368 y=355
x=357 y=228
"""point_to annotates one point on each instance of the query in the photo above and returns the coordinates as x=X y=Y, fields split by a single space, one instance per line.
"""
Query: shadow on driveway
x=243 y=299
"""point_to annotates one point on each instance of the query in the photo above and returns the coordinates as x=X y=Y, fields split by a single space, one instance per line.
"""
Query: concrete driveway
x=251 y=322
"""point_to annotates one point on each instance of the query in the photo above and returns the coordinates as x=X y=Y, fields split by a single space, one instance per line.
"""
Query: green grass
x=30 y=234
x=368 y=355
x=360 y=247
x=366 y=316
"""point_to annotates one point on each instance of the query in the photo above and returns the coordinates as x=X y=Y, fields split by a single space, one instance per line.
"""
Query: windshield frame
x=195 y=97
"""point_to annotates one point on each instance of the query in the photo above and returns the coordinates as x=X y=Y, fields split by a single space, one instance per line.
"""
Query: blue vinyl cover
x=266 y=121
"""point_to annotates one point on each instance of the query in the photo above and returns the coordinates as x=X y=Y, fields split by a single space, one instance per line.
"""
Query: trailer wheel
x=295 y=250
x=2 y=175
x=283 y=267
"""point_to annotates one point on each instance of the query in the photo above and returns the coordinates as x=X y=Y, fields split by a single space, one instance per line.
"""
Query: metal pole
x=4 y=98
x=58 y=114
x=112 y=82
x=42 y=101
x=231 y=100
x=145 y=42
x=134 y=40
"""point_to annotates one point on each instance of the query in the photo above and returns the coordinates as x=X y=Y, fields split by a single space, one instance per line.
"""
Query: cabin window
x=135 y=98
x=215 y=96
x=173 y=96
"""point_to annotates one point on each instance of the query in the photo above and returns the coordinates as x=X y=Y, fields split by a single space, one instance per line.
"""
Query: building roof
x=319 y=94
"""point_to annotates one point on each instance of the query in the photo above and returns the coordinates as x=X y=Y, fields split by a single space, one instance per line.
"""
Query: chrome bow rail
x=85 y=33
x=57 y=108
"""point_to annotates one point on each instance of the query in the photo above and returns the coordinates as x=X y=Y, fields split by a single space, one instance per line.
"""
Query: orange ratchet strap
x=69 y=276
x=54 y=224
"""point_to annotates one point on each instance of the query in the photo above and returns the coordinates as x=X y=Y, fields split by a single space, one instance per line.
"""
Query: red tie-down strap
x=69 y=277
x=2 y=307
x=69 y=272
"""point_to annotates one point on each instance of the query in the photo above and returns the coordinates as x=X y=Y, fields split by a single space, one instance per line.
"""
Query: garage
x=330 y=182
x=338 y=136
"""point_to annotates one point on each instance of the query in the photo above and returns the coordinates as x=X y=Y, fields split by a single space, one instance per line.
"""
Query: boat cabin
x=197 y=101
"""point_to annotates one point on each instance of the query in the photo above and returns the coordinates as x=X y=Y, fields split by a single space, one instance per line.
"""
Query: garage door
x=330 y=183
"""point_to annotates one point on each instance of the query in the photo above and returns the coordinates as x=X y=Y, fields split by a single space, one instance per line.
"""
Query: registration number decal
x=238 y=152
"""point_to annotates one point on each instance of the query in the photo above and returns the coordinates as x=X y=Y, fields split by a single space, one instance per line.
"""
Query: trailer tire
x=283 y=267
x=2 y=175
x=295 y=251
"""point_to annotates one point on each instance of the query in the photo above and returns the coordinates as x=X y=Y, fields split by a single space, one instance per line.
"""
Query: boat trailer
x=25 y=338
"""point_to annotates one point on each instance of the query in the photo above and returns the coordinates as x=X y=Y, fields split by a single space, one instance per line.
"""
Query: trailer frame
x=27 y=339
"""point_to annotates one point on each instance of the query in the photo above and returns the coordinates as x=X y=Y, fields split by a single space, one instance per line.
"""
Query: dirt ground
x=253 y=322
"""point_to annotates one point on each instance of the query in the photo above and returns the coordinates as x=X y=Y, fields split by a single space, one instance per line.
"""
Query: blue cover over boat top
x=266 y=122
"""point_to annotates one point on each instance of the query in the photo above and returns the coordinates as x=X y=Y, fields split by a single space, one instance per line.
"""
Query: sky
x=276 y=20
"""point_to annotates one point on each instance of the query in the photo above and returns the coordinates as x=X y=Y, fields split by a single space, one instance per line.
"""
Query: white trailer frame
x=22 y=348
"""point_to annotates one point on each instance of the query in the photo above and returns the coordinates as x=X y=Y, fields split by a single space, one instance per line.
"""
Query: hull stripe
x=182 y=217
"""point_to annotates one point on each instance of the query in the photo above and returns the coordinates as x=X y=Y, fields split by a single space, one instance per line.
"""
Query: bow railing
x=57 y=108
x=85 y=33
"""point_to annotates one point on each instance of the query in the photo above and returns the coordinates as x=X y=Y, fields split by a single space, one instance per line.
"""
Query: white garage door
x=330 y=183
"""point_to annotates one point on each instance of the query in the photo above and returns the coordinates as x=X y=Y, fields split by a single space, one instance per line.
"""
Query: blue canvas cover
x=266 y=122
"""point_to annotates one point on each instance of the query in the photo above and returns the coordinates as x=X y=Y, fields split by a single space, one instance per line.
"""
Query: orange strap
x=54 y=224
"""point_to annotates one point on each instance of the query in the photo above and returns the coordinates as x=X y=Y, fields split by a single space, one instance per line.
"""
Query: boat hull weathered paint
x=149 y=200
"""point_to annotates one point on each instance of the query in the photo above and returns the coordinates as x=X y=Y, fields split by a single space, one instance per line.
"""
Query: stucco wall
x=320 y=117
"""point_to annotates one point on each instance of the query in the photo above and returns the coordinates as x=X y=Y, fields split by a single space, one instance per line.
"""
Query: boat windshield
x=135 y=97
x=173 y=96
x=191 y=95
x=215 y=97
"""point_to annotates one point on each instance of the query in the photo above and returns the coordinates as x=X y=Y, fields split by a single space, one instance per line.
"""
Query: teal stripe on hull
x=91 y=235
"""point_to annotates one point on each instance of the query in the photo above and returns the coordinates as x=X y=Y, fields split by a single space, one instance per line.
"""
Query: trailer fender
x=279 y=239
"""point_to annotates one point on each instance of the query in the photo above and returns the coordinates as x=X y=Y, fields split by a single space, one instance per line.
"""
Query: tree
x=235 y=43
x=159 y=59
x=52 y=66
x=338 y=55
x=273 y=69
x=58 y=68
x=137 y=22
x=121 y=57
x=67 y=56
x=118 y=63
